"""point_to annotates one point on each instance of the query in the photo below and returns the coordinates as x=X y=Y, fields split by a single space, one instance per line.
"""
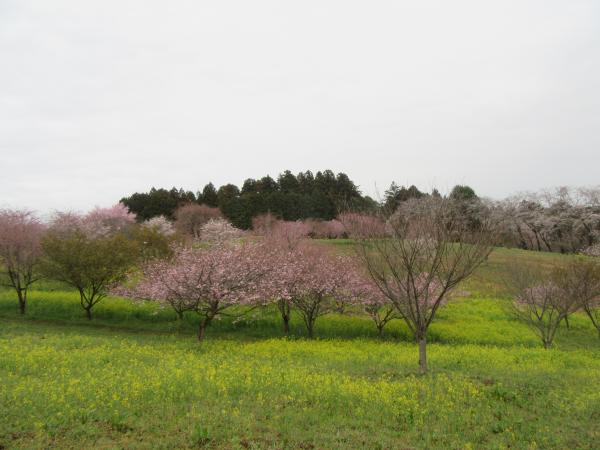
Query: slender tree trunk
x=284 y=309
x=201 y=331
x=567 y=321
x=22 y=301
x=310 y=326
x=547 y=339
x=423 y=355
x=596 y=324
x=205 y=322
x=286 y=323
x=86 y=303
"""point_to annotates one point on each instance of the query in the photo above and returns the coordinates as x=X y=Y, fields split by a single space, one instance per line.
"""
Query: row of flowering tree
x=90 y=252
x=406 y=267
x=210 y=280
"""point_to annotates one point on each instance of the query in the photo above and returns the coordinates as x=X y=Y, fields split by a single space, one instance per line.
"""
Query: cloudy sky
x=99 y=99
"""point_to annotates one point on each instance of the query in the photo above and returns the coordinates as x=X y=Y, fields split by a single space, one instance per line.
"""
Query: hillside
x=134 y=378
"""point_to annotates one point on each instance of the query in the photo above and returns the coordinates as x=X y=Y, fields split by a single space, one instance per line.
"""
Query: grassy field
x=135 y=378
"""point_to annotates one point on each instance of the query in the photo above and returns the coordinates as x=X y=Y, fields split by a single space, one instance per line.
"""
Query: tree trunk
x=567 y=321
x=86 y=303
x=202 y=328
x=284 y=310
x=22 y=302
x=310 y=325
x=22 y=306
x=286 y=324
x=423 y=355
x=596 y=323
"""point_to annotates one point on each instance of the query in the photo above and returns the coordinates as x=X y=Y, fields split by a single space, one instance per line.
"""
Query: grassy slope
x=134 y=378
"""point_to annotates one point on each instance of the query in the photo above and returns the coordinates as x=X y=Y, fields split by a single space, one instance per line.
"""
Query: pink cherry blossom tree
x=326 y=229
x=284 y=238
x=285 y=267
x=208 y=281
x=20 y=250
x=312 y=280
x=102 y=222
x=99 y=222
x=373 y=303
x=160 y=224
x=289 y=234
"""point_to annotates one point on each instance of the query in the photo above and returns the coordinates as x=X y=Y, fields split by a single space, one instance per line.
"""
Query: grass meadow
x=135 y=378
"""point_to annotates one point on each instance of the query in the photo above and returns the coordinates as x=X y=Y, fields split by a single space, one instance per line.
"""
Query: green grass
x=135 y=378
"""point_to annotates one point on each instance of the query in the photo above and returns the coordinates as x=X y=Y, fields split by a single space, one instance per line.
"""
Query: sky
x=100 y=99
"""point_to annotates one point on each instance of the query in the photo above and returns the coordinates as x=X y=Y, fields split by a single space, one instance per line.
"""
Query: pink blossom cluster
x=263 y=224
x=219 y=231
x=366 y=293
x=20 y=240
x=161 y=225
x=543 y=295
x=326 y=229
x=313 y=271
x=21 y=236
x=346 y=224
x=207 y=279
x=358 y=225
x=314 y=279
x=285 y=268
x=288 y=234
x=100 y=222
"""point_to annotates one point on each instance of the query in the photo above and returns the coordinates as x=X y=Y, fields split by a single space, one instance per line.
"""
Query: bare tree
x=381 y=315
x=592 y=309
x=562 y=220
x=539 y=301
x=579 y=281
x=430 y=250
x=190 y=218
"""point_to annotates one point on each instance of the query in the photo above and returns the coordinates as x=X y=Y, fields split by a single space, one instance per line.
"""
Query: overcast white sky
x=99 y=99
